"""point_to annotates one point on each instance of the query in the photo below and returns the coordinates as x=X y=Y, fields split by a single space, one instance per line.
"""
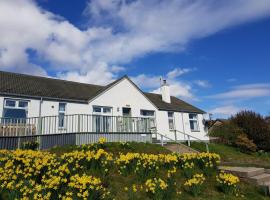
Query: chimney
x=165 y=92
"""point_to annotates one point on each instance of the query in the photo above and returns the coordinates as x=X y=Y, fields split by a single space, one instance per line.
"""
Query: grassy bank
x=64 y=171
x=232 y=156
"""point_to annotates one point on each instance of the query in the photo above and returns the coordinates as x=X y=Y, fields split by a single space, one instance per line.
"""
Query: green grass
x=232 y=156
x=116 y=183
x=116 y=148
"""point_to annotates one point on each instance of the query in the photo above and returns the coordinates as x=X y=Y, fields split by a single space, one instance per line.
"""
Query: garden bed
x=116 y=171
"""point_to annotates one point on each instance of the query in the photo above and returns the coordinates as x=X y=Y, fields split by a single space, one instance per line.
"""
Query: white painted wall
x=124 y=94
x=1 y=105
x=181 y=121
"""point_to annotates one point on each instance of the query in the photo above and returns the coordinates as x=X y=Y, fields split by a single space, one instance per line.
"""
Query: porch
x=76 y=129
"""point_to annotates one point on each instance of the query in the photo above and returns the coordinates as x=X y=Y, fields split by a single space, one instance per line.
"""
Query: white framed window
x=15 y=108
x=171 y=120
x=61 y=115
x=102 y=119
x=193 y=122
x=151 y=115
x=102 y=110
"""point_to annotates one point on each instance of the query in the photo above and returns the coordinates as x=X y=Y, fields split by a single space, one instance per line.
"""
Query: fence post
x=19 y=141
x=175 y=135
x=188 y=140
x=207 y=148
x=162 y=144
x=79 y=123
x=40 y=125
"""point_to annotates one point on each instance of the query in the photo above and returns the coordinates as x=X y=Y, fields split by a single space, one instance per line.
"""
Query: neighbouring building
x=65 y=106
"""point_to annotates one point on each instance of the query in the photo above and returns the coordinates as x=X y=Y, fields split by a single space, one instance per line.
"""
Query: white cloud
x=135 y=29
x=230 y=80
x=177 y=88
x=225 y=111
x=247 y=91
x=178 y=72
x=202 y=83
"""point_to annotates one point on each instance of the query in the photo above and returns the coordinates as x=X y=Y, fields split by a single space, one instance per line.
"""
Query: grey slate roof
x=22 y=85
x=176 y=104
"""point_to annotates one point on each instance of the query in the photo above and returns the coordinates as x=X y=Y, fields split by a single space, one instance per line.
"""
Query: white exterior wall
x=124 y=94
x=1 y=105
x=181 y=123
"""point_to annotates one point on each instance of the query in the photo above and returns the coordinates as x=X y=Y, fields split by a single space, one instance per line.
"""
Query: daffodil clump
x=87 y=172
x=207 y=162
x=28 y=174
x=227 y=182
x=156 y=188
x=99 y=160
x=194 y=185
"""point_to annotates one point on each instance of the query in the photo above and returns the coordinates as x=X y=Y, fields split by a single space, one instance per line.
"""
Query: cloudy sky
x=215 y=54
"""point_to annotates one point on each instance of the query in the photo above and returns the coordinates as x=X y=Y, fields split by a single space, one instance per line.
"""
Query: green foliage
x=32 y=145
x=255 y=126
x=227 y=132
x=244 y=144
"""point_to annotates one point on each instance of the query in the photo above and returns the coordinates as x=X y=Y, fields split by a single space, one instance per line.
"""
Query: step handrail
x=191 y=136
x=164 y=136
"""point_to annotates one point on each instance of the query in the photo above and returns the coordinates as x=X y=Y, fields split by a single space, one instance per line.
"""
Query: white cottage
x=32 y=105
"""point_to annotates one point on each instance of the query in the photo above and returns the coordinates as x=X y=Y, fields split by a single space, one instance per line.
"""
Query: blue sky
x=214 y=54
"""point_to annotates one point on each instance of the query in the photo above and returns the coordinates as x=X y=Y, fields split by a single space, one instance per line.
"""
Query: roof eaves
x=42 y=97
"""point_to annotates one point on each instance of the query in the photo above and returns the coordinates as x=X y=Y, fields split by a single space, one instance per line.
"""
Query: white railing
x=79 y=123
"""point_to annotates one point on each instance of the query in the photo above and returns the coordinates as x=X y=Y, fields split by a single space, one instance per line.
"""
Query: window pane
x=194 y=125
x=62 y=107
x=147 y=113
x=10 y=103
x=192 y=116
x=23 y=104
x=107 y=110
x=96 y=109
x=14 y=113
x=171 y=124
x=61 y=119
x=170 y=114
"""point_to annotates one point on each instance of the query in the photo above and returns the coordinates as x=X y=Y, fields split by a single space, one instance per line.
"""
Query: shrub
x=255 y=126
x=244 y=144
x=32 y=145
x=227 y=132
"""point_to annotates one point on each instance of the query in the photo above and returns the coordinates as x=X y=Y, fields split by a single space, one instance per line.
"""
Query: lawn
x=79 y=162
x=232 y=156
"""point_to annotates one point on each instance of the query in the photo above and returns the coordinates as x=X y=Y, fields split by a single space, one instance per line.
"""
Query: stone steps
x=261 y=179
x=256 y=176
x=243 y=172
x=179 y=148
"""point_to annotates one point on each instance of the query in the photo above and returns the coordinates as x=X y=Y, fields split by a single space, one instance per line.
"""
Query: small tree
x=227 y=132
x=255 y=126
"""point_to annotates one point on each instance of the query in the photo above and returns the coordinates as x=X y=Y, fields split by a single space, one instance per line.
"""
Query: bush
x=255 y=126
x=227 y=132
x=244 y=144
x=32 y=145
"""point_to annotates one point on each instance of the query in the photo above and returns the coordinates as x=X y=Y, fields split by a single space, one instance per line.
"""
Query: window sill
x=195 y=130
